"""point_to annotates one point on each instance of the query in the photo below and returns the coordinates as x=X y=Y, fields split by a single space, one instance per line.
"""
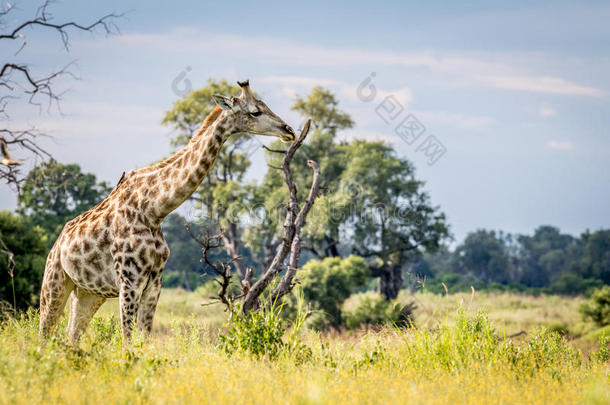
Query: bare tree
x=290 y=246
x=18 y=81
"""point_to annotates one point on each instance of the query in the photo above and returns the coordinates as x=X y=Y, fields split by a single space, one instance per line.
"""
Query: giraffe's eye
x=255 y=114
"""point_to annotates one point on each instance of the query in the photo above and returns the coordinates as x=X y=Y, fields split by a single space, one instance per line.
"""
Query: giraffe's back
x=85 y=250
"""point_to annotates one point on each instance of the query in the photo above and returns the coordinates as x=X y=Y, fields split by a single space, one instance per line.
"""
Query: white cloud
x=86 y=119
x=292 y=85
x=487 y=69
x=546 y=112
x=559 y=145
x=371 y=136
x=541 y=84
x=455 y=120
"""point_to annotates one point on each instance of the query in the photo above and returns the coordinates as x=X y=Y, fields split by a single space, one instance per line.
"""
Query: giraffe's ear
x=226 y=103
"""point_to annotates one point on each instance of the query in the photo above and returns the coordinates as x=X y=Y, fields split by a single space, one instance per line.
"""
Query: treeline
x=546 y=262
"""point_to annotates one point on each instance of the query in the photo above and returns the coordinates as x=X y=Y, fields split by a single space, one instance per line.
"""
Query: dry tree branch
x=43 y=18
x=19 y=81
x=25 y=140
x=273 y=150
x=222 y=269
x=293 y=223
x=35 y=86
x=290 y=243
x=286 y=284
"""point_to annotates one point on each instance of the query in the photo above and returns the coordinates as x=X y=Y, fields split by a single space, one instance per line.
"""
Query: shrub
x=561 y=330
x=473 y=343
x=262 y=334
x=372 y=309
x=328 y=283
x=598 y=307
x=602 y=354
x=571 y=284
x=257 y=333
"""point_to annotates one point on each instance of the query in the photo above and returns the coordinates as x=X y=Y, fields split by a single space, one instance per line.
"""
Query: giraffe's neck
x=168 y=184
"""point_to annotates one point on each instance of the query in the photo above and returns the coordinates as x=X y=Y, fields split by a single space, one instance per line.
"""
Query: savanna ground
x=460 y=352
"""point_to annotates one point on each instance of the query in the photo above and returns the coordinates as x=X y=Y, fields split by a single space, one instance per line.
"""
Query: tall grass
x=464 y=359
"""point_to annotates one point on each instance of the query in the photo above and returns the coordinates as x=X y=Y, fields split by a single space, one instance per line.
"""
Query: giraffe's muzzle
x=289 y=134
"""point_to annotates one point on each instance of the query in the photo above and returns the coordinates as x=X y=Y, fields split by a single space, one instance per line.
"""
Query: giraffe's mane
x=209 y=120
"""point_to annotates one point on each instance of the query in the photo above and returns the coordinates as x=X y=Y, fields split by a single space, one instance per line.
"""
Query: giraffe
x=117 y=249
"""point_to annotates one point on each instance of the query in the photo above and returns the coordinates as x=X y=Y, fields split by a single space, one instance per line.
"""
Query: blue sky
x=517 y=93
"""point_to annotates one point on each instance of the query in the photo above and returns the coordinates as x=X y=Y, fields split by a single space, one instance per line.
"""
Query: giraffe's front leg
x=132 y=284
x=148 y=304
x=128 y=303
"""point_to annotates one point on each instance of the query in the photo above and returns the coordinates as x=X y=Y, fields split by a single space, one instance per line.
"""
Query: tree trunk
x=331 y=247
x=390 y=281
x=231 y=246
x=187 y=283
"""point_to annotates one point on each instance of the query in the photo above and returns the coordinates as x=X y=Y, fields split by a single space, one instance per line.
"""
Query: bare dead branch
x=43 y=18
x=273 y=150
x=222 y=269
x=19 y=82
x=25 y=140
x=287 y=282
x=292 y=225
x=289 y=244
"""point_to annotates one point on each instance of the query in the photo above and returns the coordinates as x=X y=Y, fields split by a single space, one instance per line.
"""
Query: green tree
x=28 y=244
x=183 y=268
x=329 y=282
x=545 y=256
x=483 y=255
x=595 y=262
x=327 y=119
x=390 y=220
x=372 y=204
x=54 y=193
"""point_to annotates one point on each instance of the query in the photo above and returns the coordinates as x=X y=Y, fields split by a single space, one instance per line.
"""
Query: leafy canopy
x=54 y=193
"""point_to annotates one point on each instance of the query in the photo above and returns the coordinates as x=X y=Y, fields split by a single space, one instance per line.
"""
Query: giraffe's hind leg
x=83 y=306
x=56 y=287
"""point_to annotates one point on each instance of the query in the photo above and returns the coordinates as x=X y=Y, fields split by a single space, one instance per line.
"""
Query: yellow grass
x=181 y=364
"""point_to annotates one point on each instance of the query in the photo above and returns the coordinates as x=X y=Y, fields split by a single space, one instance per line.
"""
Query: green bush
x=598 y=307
x=571 y=284
x=263 y=334
x=561 y=330
x=472 y=342
x=328 y=283
x=602 y=354
x=372 y=309
x=257 y=333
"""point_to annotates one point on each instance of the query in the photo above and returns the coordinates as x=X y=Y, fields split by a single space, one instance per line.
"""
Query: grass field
x=457 y=354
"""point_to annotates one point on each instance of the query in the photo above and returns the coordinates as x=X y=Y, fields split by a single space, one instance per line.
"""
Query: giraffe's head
x=253 y=116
